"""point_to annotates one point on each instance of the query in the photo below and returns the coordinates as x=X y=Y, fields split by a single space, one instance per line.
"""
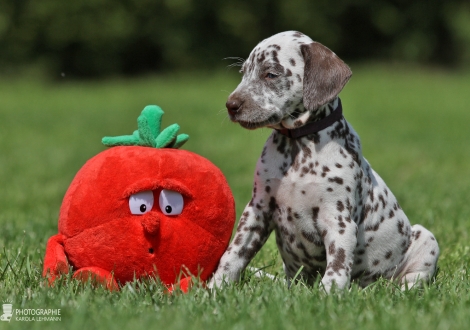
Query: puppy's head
x=286 y=78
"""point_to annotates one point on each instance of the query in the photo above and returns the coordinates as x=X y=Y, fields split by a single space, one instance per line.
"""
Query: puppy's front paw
x=337 y=283
x=218 y=280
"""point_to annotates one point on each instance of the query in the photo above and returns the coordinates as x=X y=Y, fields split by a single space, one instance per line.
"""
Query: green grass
x=414 y=126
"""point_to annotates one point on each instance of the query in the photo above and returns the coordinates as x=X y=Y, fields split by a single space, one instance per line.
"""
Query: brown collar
x=315 y=126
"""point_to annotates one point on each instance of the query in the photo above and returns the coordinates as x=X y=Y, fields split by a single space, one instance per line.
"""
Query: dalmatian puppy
x=332 y=214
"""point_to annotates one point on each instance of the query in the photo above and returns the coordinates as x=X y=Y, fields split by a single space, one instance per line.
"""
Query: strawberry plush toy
x=143 y=208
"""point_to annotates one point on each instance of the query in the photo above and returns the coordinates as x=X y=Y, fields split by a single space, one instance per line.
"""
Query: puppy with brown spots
x=333 y=215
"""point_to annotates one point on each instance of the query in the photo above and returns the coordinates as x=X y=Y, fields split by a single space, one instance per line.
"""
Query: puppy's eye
x=271 y=75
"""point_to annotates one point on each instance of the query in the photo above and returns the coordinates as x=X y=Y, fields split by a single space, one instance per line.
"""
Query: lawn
x=414 y=126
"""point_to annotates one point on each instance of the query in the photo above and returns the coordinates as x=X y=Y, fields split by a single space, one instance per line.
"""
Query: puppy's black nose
x=233 y=106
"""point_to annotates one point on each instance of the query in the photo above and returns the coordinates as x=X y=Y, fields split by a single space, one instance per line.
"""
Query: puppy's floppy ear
x=325 y=75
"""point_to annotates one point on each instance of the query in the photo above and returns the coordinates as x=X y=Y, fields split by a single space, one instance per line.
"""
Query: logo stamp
x=29 y=314
x=7 y=312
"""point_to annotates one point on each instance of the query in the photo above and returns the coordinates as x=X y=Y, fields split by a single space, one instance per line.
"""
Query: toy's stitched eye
x=141 y=202
x=171 y=202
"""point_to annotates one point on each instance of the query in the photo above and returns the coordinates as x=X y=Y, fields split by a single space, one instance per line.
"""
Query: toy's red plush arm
x=185 y=284
x=55 y=261
x=55 y=264
x=97 y=276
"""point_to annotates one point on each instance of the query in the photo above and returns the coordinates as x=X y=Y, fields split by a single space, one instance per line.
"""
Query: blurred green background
x=96 y=38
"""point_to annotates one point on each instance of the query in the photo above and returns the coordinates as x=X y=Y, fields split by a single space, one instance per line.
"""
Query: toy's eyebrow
x=155 y=185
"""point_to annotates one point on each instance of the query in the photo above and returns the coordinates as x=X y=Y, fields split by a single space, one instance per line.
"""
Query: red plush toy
x=139 y=210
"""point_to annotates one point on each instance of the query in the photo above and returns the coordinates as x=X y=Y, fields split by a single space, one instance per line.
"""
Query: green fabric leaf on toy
x=148 y=133
x=180 y=140
x=167 y=136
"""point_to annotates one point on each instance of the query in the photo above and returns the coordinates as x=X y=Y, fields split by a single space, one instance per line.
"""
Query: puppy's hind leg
x=421 y=258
